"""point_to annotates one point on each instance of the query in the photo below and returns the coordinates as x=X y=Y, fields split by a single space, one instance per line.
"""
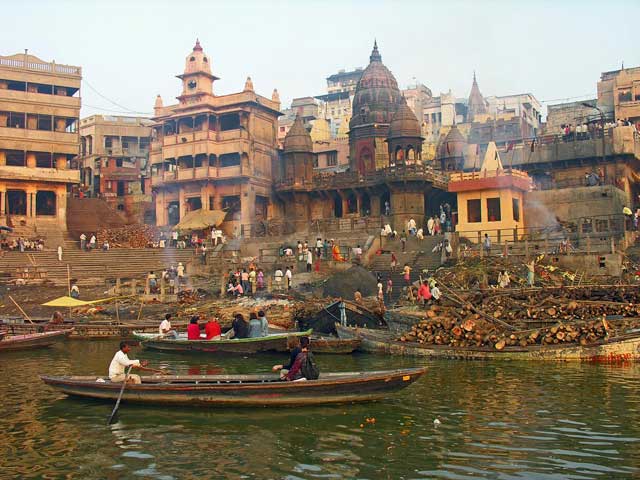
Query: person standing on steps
x=394 y=262
x=59 y=253
x=403 y=241
x=486 y=244
x=83 y=241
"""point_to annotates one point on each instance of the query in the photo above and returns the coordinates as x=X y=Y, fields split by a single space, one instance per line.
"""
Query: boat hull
x=84 y=331
x=271 y=343
x=244 y=390
x=620 y=349
x=32 y=341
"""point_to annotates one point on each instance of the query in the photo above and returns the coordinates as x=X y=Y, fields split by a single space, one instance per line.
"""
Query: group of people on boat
x=257 y=326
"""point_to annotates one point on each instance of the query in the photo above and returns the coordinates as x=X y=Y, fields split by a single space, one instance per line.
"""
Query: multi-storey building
x=619 y=94
x=213 y=152
x=341 y=88
x=114 y=154
x=39 y=111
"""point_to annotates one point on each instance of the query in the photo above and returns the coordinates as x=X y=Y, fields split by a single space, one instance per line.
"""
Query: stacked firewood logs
x=129 y=236
x=473 y=331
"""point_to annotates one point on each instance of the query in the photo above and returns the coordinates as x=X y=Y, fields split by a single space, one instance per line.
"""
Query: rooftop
x=24 y=61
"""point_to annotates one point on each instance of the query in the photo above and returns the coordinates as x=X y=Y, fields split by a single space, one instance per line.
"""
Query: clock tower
x=197 y=79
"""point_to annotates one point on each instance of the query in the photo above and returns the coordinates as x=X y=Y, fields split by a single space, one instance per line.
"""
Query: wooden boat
x=355 y=315
x=33 y=340
x=624 y=348
x=243 y=390
x=84 y=331
x=270 y=343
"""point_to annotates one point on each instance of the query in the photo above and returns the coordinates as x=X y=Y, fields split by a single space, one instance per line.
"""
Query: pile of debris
x=129 y=236
x=473 y=331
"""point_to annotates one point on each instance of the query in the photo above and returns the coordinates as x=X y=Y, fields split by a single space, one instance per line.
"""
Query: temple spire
x=375 y=54
x=197 y=47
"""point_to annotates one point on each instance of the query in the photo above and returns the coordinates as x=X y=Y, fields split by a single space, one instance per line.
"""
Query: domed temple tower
x=405 y=138
x=298 y=170
x=451 y=150
x=375 y=102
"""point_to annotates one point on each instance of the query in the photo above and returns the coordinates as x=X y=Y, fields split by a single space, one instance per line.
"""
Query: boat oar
x=124 y=384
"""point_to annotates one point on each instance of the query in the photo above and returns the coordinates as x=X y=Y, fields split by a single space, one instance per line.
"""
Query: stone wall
x=542 y=207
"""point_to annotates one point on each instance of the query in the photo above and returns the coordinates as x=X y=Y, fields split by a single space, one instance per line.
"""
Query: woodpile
x=129 y=236
x=472 y=331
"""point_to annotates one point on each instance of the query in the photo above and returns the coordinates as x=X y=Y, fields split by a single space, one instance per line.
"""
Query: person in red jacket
x=424 y=294
x=212 y=328
x=193 y=330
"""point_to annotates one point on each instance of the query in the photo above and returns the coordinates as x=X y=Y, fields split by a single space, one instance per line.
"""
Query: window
x=315 y=161
x=230 y=122
x=473 y=211
x=230 y=160
x=125 y=143
x=332 y=159
x=108 y=142
x=282 y=129
x=493 y=209
x=516 y=209
x=192 y=59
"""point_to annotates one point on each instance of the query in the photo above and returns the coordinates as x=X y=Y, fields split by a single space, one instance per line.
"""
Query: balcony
x=345 y=180
x=15 y=138
x=72 y=103
x=198 y=173
x=52 y=175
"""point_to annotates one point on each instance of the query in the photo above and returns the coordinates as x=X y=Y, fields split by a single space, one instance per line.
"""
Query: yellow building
x=39 y=111
x=491 y=200
x=212 y=151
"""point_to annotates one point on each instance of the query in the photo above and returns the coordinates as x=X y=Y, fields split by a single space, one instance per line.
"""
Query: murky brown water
x=498 y=420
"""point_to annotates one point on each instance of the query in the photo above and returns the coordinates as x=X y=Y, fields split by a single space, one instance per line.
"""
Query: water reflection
x=511 y=420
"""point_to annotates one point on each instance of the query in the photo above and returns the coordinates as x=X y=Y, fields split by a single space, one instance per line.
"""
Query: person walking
x=403 y=241
x=59 y=253
x=289 y=275
x=486 y=244
x=407 y=273
x=83 y=241
x=394 y=262
x=203 y=254
x=309 y=260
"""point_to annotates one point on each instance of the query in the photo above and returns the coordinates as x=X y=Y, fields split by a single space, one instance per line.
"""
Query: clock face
x=192 y=84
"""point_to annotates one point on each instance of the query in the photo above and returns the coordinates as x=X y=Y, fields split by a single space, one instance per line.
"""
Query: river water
x=497 y=420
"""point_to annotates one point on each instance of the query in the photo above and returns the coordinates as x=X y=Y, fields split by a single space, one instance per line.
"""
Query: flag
x=510 y=146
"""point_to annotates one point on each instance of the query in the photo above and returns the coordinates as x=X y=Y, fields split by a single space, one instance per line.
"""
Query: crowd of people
x=22 y=244
x=585 y=131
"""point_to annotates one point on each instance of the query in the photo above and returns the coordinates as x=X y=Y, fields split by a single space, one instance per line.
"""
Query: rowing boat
x=83 y=331
x=623 y=348
x=34 y=340
x=243 y=390
x=270 y=343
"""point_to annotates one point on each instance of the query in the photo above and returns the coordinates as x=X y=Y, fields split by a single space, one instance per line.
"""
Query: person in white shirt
x=430 y=224
x=165 y=327
x=309 y=260
x=120 y=362
x=83 y=241
x=174 y=239
x=278 y=277
x=435 y=292
x=420 y=234
x=289 y=275
x=59 y=253
x=92 y=242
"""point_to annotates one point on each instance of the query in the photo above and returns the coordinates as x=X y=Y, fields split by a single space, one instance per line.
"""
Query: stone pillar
x=247 y=205
x=61 y=206
x=61 y=124
x=3 y=158
x=31 y=203
x=32 y=122
x=3 y=202
x=61 y=162
x=181 y=203
x=375 y=205
x=31 y=160
x=217 y=201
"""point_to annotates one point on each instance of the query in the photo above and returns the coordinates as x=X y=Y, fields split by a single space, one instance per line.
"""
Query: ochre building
x=213 y=151
x=39 y=111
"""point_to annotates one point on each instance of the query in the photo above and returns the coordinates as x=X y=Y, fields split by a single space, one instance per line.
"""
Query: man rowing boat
x=121 y=360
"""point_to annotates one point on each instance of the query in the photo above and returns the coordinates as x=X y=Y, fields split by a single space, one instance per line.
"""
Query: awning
x=201 y=219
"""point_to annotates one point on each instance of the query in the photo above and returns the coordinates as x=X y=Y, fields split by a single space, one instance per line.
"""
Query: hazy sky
x=131 y=50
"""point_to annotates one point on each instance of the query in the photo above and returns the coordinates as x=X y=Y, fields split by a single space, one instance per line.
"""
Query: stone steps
x=93 y=268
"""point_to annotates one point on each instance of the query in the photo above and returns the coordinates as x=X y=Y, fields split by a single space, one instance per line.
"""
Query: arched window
x=399 y=155
x=205 y=60
x=192 y=59
x=411 y=156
